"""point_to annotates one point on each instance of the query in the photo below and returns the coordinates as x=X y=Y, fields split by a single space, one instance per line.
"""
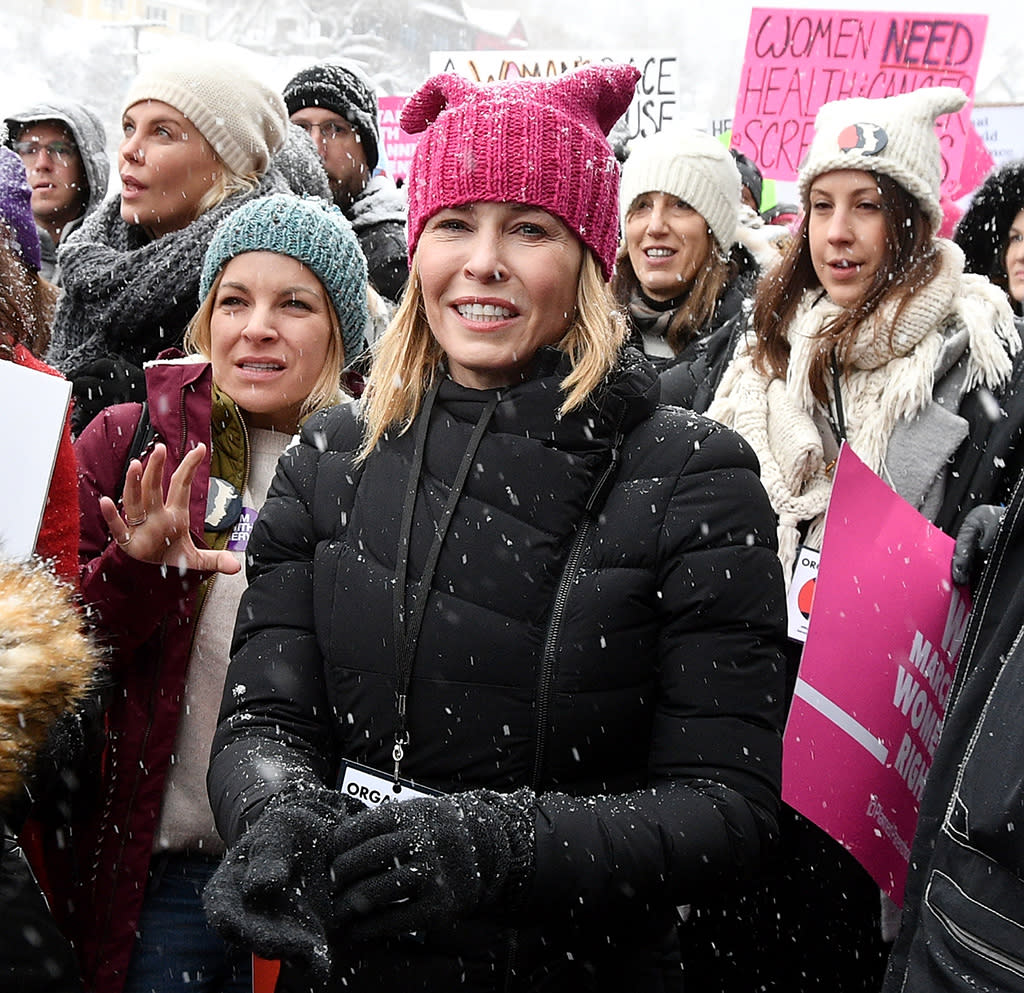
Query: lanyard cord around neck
x=407 y=631
x=837 y=420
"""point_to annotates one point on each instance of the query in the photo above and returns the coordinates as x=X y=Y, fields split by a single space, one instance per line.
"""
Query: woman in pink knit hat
x=506 y=688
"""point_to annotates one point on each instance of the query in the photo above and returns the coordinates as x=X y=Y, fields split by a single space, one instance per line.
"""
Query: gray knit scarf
x=127 y=296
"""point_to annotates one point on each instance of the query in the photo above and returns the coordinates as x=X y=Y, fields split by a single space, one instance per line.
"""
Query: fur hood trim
x=47 y=663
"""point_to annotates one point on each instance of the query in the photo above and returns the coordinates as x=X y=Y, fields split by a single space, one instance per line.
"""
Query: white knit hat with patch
x=894 y=136
x=691 y=165
x=242 y=118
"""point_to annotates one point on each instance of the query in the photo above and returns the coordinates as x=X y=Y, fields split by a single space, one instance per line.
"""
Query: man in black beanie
x=336 y=103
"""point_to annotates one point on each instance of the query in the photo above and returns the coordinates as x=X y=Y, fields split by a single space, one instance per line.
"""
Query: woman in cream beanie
x=869 y=333
x=680 y=276
x=198 y=134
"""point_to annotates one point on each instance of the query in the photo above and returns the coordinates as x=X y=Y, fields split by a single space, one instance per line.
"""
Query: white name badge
x=801 y=592
x=374 y=788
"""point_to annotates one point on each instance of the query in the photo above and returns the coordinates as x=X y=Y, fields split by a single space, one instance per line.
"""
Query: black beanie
x=344 y=89
x=750 y=175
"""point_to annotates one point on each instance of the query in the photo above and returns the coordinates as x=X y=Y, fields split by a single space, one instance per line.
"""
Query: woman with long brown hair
x=868 y=333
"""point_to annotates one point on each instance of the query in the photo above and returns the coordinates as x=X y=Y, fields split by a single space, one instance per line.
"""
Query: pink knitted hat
x=536 y=142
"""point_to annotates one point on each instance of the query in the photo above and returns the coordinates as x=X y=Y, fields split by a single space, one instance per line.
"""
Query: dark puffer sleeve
x=714 y=758
x=275 y=726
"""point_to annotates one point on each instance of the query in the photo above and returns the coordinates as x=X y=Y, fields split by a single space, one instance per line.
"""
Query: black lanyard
x=837 y=421
x=407 y=631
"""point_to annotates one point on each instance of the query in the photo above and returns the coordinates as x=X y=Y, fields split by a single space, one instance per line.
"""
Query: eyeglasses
x=328 y=131
x=59 y=150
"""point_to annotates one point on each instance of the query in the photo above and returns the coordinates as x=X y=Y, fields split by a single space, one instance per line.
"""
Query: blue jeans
x=176 y=951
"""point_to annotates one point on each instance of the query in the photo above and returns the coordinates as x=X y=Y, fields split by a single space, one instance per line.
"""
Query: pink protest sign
x=885 y=631
x=796 y=60
x=976 y=165
x=398 y=144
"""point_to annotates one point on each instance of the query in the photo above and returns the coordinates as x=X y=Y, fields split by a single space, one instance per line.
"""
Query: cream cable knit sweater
x=892 y=378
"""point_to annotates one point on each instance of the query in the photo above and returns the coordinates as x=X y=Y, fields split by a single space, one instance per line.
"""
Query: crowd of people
x=414 y=570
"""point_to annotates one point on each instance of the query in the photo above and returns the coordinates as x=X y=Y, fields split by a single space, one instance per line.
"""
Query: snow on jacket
x=378 y=218
x=147 y=615
x=625 y=662
x=963 y=913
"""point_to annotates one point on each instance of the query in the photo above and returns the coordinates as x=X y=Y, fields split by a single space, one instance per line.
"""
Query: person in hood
x=868 y=333
x=63 y=146
x=336 y=103
x=284 y=308
x=496 y=596
x=198 y=134
x=681 y=275
x=991 y=232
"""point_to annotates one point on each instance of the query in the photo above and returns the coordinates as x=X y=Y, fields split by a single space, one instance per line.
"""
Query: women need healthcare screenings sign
x=885 y=631
x=796 y=60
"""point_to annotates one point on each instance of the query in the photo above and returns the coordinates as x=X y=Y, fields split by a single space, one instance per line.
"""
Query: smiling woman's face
x=668 y=243
x=499 y=281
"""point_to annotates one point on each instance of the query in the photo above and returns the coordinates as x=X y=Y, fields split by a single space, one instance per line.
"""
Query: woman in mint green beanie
x=169 y=494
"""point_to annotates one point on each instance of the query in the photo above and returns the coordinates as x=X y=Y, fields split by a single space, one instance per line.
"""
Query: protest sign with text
x=884 y=635
x=657 y=92
x=796 y=60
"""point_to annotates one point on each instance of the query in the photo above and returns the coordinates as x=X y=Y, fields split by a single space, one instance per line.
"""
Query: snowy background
x=47 y=54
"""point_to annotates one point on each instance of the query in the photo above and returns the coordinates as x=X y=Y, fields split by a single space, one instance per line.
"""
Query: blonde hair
x=226 y=184
x=326 y=390
x=407 y=356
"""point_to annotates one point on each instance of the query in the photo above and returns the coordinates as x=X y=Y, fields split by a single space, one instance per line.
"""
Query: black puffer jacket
x=692 y=378
x=624 y=662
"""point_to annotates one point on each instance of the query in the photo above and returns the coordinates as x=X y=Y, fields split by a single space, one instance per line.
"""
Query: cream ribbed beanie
x=241 y=117
x=894 y=136
x=691 y=165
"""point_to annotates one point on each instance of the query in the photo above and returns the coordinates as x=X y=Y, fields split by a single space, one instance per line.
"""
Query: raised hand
x=155 y=527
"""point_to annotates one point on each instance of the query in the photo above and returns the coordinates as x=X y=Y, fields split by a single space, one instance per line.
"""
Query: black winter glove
x=272 y=892
x=418 y=864
x=974 y=541
x=101 y=384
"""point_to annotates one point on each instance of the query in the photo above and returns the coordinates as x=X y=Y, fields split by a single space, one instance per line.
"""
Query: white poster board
x=33 y=408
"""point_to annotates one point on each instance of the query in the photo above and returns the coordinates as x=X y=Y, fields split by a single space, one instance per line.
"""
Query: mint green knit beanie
x=311 y=231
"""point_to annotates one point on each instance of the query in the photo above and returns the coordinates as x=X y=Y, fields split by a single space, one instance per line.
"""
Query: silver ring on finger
x=123 y=542
x=135 y=522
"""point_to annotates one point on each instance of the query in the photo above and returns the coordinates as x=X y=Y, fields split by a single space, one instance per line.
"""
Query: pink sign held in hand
x=885 y=632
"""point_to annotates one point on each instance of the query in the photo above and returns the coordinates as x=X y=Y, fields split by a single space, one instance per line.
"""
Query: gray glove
x=974 y=541
x=418 y=864
x=272 y=893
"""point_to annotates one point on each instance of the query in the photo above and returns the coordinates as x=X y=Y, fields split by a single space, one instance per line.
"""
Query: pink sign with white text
x=796 y=60
x=885 y=631
x=399 y=145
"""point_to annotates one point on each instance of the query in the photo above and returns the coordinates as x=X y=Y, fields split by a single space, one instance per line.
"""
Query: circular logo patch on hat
x=868 y=139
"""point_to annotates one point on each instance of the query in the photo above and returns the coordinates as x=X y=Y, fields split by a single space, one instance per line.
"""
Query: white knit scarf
x=892 y=377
